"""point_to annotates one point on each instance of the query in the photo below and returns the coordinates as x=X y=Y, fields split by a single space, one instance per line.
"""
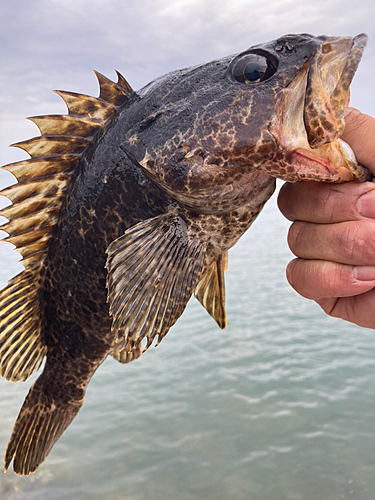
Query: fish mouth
x=312 y=116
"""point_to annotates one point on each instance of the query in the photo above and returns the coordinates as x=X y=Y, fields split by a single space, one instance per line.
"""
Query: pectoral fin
x=152 y=271
x=210 y=291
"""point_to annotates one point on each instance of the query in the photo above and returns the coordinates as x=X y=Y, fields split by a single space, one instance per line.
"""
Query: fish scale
x=130 y=202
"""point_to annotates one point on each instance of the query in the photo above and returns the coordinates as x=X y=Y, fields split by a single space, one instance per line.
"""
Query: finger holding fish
x=321 y=280
x=349 y=242
x=346 y=292
x=327 y=203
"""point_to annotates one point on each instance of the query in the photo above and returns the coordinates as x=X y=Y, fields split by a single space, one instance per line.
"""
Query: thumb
x=359 y=133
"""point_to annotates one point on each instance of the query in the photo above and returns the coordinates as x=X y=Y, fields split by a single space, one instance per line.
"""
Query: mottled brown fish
x=129 y=204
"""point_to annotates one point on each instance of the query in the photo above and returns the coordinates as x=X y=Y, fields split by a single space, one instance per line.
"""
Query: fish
x=129 y=204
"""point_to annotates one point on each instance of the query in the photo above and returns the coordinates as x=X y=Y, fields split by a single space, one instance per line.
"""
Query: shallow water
x=280 y=405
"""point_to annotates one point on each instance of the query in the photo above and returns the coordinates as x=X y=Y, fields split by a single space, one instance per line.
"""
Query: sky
x=55 y=44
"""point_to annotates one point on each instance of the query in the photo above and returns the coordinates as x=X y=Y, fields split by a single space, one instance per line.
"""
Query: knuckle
x=357 y=242
x=355 y=120
x=334 y=278
x=330 y=203
x=338 y=202
x=348 y=241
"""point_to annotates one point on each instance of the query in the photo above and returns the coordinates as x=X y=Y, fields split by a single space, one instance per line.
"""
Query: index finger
x=323 y=203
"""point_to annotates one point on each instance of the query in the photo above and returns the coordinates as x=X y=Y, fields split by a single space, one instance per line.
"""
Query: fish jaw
x=310 y=118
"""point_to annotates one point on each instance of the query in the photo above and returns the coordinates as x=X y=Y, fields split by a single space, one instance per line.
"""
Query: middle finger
x=351 y=243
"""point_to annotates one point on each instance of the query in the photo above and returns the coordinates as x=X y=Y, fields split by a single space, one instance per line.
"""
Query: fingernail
x=364 y=273
x=366 y=204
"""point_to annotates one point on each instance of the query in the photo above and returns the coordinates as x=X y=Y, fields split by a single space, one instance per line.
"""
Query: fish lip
x=330 y=74
x=360 y=40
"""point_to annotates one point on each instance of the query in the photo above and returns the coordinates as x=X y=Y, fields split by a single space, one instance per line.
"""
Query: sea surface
x=278 y=406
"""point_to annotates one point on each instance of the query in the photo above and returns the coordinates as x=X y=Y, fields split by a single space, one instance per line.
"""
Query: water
x=280 y=405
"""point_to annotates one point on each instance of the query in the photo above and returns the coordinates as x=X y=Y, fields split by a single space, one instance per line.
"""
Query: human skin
x=333 y=234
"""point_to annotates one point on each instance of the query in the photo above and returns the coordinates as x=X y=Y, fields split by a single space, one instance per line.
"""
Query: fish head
x=212 y=135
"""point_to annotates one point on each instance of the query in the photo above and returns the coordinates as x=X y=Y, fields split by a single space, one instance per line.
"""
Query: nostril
x=327 y=47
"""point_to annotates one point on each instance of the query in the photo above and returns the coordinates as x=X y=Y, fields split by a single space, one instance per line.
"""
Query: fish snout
x=330 y=75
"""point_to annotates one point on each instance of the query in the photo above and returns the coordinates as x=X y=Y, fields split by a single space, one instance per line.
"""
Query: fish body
x=130 y=203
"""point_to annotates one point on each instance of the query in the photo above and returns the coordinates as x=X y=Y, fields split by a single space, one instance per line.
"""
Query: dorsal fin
x=43 y=181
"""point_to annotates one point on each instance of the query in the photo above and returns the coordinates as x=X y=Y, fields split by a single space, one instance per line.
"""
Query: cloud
x=49 y=44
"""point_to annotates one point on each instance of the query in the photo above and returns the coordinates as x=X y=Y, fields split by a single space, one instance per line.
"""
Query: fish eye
x=253 y=68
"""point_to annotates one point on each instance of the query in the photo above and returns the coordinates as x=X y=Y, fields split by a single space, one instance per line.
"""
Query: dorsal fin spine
x=47 y=145
x=69 y=125
x=111 y=91
x=37 y=168
x=81 y=104
x=42 y=184
x=122 y=82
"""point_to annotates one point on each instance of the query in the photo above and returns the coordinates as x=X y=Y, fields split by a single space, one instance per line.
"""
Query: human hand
x=333 y=234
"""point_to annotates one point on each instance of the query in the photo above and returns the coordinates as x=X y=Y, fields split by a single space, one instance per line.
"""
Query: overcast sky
x=55 y=44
